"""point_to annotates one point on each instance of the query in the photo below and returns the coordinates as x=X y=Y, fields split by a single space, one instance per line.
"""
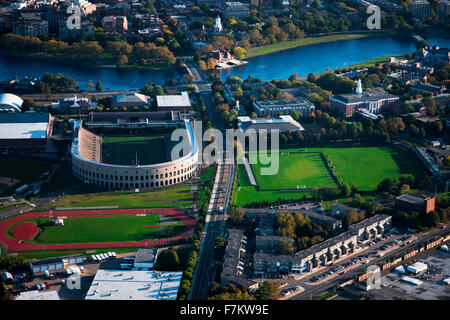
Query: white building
x=283 y=124
x=134 y=285
x=174 y=102
x=417 y=268
x=218 y=25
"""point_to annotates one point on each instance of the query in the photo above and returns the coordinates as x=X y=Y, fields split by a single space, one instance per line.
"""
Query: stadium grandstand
x=130 y=150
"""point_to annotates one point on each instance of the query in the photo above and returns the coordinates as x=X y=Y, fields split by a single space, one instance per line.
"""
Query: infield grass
x=100 y=229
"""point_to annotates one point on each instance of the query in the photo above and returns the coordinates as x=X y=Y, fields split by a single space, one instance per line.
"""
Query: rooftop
x=283 y=103
x=145 y=255
x=134 y=285
x=28 y=125
x=410 y=198
x=38 y=295
x=174 y=100
x=365 y=96
x=284 y=123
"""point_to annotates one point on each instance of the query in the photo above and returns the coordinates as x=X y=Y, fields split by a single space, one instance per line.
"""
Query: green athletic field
x=296 y=171
x=363 y=165
x=175 y=197
x=125 y=150
x=367 y=166
x=102 y=229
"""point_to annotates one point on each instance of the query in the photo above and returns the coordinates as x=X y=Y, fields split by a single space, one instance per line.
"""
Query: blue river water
x=279 y=65
x=112 y=79
x=318 y=58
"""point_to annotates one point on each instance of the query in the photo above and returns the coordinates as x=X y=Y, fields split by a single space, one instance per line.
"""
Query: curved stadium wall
x=86 y=165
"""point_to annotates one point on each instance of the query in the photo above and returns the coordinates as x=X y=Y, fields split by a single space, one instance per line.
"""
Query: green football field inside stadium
x=128 y=150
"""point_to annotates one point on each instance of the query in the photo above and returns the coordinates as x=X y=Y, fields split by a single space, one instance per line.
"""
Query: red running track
x=15 y=245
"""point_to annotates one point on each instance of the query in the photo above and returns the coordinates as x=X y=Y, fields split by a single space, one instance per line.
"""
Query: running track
x=14 y=245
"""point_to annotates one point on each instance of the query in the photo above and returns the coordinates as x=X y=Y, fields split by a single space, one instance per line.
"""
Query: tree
x=346 y=190
x=239 y=52
x=4 y=293
x=122 y=60
x=211 y=64
x=27 y=104
x=268 y=290
x=99 y=86
x=236 y=215
x=168 y=260
x=352 y=216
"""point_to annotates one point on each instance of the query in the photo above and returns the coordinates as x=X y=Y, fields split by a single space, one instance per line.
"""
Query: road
x=220 y=196
x=313 y=291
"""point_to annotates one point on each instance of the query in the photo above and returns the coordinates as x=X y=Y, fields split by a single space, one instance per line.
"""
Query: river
x=112 y=79
x=280 y=65
x=317 y=58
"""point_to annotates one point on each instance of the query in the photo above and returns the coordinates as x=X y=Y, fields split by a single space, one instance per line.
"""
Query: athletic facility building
x=283 y=124
x=174 y=102
x=134 y=285
x=10 y=102
x=24 y=132
x=124 y=151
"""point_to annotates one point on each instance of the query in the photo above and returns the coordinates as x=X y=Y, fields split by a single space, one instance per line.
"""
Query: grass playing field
x=176 y=197
x=296 y=171
x=101 y=229
x=364 y=165
x=126 y=150
x=367 y=166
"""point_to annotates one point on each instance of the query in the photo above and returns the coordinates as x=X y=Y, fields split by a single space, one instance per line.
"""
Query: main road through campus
x=220 y=196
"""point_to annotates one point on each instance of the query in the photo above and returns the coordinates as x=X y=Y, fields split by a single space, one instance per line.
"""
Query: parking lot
x=432 y=287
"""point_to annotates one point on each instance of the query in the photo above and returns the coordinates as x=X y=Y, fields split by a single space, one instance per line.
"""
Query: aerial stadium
x=131 y=150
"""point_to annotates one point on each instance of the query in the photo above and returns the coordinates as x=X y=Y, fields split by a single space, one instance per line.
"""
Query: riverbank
x=259 y=51
x=105 y=62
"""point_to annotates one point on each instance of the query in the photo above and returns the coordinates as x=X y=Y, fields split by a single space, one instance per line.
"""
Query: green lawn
x=367 y=166
x=126 y=150
x=244 y=193
x=177 y=197
x=99 y=229
x=296 y=171
x=209 y=174
x=364 y=165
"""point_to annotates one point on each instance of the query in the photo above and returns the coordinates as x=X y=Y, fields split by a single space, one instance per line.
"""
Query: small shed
x=59 y=222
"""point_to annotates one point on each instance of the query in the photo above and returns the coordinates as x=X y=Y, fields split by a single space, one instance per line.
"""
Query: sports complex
x=303 y=169
x=85 y=229
x=125 y=151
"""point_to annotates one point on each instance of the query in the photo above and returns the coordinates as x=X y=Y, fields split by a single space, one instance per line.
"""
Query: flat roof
x=411 y=198
x=38 y=295
x=174 y=100
x=145 y=255
x=134 y=285
x=44 y=262
x=28 y=125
